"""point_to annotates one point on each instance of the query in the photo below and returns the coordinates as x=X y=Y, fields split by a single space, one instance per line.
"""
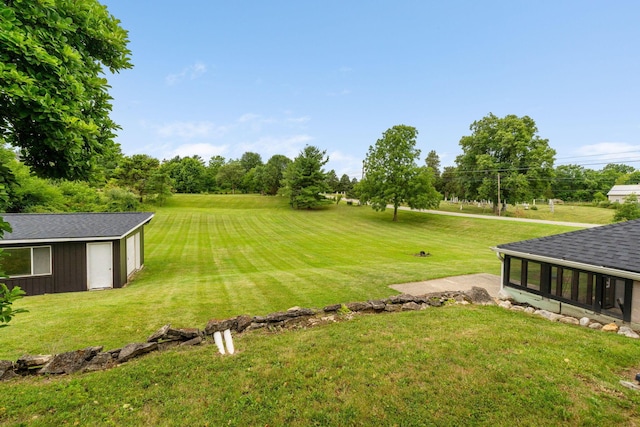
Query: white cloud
x=191 y=72
x=204 y=150
x=248 y=117
x=289 y=146
x=613 y=152
x=344 y=164
x=300 y=120
x=607 y=148
x=189 y=130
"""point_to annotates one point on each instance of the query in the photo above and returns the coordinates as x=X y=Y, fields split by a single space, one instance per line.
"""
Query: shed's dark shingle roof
x=613 y=246
x=73 y=226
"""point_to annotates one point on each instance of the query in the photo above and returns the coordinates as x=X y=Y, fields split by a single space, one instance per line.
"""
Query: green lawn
x=219 y=256
x=449 y=366
x=583 y=213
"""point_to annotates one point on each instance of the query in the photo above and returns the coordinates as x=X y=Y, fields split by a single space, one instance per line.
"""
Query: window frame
x=551 y=274
x=31 y=259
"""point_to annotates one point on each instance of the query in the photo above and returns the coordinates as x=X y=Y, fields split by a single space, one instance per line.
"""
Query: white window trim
x=31 y=248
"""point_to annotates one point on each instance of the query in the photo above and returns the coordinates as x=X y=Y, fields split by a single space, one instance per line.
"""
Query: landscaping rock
x=360 y=306
x=410 y=306
x=193 y=341
x=517 y=308
x=479 y=295
x=595 y=325
x=529 y=310
x=300 y=312
x=434 y=302
x=569 y=320
x=215 y=325
x=554 y=317
x=611 y=327
x=70 y=362
x=584 y=321
x=33 y=362
x=242 y=322
x=160 y=334
x=183 y=334
x=331 y=308
x=628 y=332
x=392 y=308
x=100 y=362
x=505 y=304
x=130 y=351
x=7 y=370
x=377 y=305
x=403 y=299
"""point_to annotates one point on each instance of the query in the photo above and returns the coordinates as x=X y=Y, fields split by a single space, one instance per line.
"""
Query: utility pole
x=499 y=204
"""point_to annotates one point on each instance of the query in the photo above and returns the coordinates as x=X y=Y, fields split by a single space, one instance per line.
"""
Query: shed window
x=33 y=261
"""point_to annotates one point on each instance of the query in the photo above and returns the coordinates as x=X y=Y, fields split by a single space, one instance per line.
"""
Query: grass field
x=219 y=256
x=582 y=213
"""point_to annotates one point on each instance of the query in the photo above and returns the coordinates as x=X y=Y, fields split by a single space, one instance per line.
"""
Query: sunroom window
x=31 y=261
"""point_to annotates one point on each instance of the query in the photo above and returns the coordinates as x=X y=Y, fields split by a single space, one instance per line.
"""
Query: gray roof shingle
x=614 y=246
x=72 y=226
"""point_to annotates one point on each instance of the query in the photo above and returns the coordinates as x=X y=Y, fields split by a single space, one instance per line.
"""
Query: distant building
x=619 y=193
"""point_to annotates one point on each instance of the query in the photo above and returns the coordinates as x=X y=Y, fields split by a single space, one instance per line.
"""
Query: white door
x=99 y=265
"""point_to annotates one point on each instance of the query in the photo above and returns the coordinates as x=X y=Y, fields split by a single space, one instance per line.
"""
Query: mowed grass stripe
x=218 y=256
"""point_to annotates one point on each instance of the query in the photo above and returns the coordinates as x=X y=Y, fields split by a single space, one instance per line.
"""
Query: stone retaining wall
x=94 y=358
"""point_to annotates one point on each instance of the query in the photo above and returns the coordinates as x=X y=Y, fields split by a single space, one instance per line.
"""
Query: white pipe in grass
x=229 y=341
x=217 y=337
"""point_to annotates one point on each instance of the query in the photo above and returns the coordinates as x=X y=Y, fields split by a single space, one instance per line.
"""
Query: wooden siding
x=119 y=263
x=69 y=267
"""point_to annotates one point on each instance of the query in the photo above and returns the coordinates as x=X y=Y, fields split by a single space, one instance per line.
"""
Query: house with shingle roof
x=593 y=272
x=52 y=253
x=619 y=193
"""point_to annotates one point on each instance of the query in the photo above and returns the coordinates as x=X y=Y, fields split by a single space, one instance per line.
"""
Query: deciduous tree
x=54 y=100
x=509 y=147
x=273 y=173
x=392 y=175
x=629 y=210
x=230 y=175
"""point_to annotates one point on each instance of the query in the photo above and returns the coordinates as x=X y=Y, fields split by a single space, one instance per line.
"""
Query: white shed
x=620 y=192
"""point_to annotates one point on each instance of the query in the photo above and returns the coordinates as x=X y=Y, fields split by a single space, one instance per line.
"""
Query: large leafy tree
x=392 y=175
x=305 y=179
x=135 y=172
x=506 y=148
x=188 y=174
x=54 y=100
x=250 y=160
x=230 y=175
x=273 y=173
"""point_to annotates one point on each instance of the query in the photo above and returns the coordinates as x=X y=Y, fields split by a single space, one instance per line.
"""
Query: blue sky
x=222 y=78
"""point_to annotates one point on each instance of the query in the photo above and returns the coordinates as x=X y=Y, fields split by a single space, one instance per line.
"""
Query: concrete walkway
x=488 y=281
